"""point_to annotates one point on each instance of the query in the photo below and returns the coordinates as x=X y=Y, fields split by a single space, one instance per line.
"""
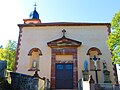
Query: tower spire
x=34 y=14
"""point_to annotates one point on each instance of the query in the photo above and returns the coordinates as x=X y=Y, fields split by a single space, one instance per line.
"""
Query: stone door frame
x=64 y=51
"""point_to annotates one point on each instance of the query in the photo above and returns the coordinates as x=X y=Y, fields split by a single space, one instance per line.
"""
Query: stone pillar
x=106 y=76
x=75 y=70
x=85 y=75
x=35 y=81
x=47 y=86
x=53 y=62
x=92 y=82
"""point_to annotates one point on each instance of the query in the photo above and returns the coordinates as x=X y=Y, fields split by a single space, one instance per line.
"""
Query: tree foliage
x=113 y=41
x=8 y=54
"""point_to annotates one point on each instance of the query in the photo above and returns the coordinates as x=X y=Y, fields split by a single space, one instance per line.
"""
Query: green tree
x=113 y=41
x=8 y=54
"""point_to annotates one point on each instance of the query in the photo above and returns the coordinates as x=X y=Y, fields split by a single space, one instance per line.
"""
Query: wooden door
x=64 y=76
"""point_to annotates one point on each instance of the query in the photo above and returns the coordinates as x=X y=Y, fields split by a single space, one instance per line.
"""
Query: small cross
x=63 y=32
x=35 y=6
x=94 y=58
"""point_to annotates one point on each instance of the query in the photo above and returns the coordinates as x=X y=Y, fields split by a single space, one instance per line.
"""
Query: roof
x=34 y=15
x=63 y=24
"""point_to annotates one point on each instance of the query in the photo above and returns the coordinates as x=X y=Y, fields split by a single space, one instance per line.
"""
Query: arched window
x=34 y=54
x=94 y=58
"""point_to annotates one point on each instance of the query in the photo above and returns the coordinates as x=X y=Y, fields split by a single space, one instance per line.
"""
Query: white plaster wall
x=86 y=85
x=118 y=72
x=90 y=36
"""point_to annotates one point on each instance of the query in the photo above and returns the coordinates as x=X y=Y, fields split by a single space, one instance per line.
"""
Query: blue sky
x=13 y=12
x=73 y=10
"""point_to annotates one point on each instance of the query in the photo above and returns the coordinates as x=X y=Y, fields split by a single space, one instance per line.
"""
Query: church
x=63 y=51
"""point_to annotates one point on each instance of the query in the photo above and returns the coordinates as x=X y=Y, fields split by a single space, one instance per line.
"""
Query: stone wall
x=19 y=81
x=3 y=65
x=23 y=82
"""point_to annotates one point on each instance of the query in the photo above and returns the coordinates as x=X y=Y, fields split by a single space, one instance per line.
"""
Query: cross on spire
x=64 y=31
x=35 y=6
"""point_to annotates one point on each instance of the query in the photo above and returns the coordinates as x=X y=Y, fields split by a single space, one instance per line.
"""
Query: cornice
x=63 y=24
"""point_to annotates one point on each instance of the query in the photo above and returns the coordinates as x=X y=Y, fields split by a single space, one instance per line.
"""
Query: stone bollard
x=92 y=83
x=106 y=76
x=85 y=75
x=35 y=81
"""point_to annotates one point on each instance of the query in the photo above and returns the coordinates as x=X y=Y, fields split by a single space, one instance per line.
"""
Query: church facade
x=61 y=51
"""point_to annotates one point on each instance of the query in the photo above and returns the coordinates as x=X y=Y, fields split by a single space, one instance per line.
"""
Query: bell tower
x=33 y=17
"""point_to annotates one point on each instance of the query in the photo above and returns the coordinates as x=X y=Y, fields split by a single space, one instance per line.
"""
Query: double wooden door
x=64 y=76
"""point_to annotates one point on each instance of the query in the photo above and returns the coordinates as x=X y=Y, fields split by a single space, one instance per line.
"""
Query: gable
x=64 y=42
